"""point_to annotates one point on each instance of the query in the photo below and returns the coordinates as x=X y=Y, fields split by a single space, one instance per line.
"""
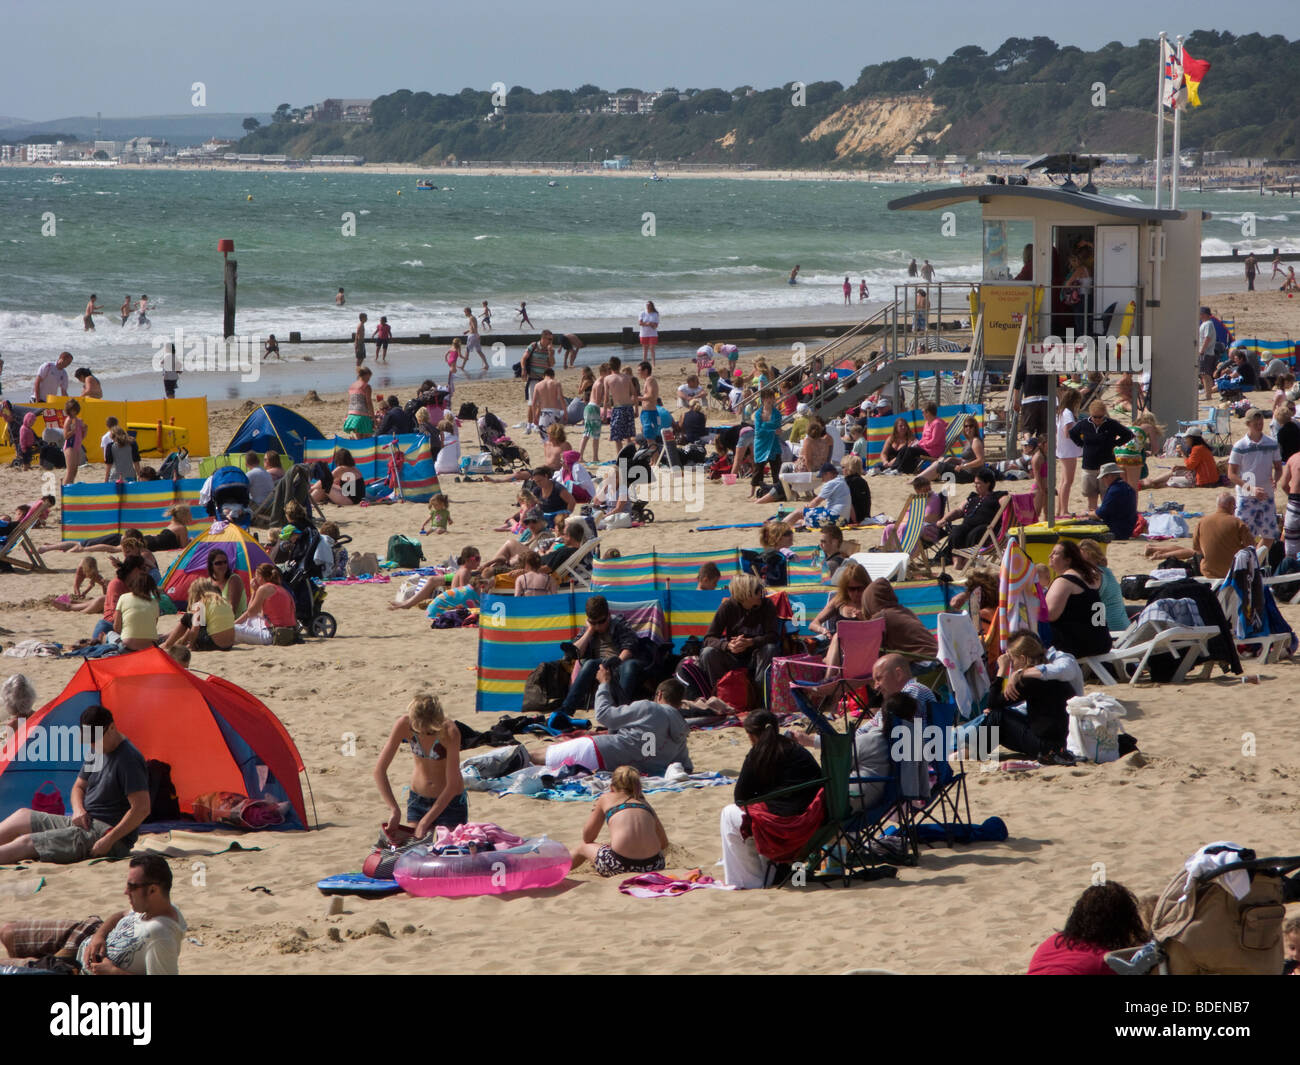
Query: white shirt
x=50 y=381
x=1065 y=447
x=1206 y=335
x=685 y=393
x=835 y=494
x=649 y=323
x=260 y=485
x=581 y=479
x=143 y=946
x=448 y=460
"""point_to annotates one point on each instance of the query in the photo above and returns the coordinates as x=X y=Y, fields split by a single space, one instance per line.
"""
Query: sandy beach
x=966 y=909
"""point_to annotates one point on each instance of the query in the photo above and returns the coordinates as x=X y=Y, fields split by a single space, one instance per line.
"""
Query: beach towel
x=662 y=886
x=1017 y=594
x=484 y=834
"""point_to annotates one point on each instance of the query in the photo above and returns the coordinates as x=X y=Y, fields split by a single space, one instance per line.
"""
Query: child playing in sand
x=637 y=839
x=437 y=789
x=88 y=572
x=439 y=515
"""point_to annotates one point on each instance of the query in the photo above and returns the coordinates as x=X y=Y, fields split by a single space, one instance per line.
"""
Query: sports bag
x=736 y=690
x=405 y=551
x=389 y=847
x=694 y=678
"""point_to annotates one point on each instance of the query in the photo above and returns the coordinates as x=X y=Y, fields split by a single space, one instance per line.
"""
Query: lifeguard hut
x=1144 y=264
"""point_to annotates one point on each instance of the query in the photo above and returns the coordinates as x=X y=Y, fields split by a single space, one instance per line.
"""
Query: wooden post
x=232 y=271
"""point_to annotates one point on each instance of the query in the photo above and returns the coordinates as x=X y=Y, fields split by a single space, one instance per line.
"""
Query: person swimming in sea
x=794 y=275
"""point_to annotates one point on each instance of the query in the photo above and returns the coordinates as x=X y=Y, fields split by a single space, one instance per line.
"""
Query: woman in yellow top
x=209 y=622
x=136 y=614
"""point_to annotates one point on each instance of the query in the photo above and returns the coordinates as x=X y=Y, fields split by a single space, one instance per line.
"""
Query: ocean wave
x=412 y=262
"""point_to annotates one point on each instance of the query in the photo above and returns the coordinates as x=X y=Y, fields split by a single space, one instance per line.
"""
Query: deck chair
x=993 y=540
x=1143 y=639
x=572 y=568
x=20 y=539
x=891 y=565
x=907 y=536
x=1215 y=426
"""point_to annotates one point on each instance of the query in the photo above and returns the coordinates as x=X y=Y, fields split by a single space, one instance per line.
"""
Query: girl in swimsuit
x=533 y=581
x=437 y=788
x=74 y=432
x=637 y=839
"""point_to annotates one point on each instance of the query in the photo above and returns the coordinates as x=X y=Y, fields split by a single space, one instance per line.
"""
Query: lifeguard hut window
x=1005 y=241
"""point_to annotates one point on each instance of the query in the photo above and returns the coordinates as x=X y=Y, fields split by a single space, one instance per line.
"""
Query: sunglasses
x=857 y=587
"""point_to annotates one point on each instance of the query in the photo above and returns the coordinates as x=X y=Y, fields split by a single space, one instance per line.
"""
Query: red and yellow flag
x=1193 y=71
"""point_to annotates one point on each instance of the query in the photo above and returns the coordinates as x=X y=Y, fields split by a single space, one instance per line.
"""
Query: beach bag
x=405 y=551
x=163 y=803
x=1173 y=525
x=363 y=562
x=285 y=635
x=389 y=847
x=1095 y=727
x=480 y=463
x=736 y=689
x=545 y=688
x=49 y=802
x=694 y=678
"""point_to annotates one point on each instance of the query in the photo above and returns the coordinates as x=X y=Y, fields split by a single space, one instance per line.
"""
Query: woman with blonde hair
x=1067 y=451
x=843 y=604
x=1026 y=673
x=437 y=796
x=744 y=633
x=121 y=457
x=208 y=623
x=637 y=839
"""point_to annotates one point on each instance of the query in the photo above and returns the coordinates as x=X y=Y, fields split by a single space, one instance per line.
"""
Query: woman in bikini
x=437 y=789
x=533 y=581
x=637 y=839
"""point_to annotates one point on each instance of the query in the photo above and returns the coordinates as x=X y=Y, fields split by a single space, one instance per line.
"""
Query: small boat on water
x=552 y=184
x=425 y=185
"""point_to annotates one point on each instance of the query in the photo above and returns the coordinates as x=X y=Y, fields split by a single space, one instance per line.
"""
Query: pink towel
x=659 y=886
x=485 y=834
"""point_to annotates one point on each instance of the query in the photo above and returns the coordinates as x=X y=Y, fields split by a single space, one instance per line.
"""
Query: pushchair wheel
x=648 y=515
x=324 y=625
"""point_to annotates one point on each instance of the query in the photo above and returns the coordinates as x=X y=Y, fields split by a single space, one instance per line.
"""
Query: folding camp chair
x=1215 y=426
x=20 y=538
x=848 y=845
x=806 y=682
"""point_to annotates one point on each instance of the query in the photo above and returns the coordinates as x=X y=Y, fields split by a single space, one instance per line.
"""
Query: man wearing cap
x=1119 y=503
x=1206 y=356
x=830 y=506
x=1254 y=466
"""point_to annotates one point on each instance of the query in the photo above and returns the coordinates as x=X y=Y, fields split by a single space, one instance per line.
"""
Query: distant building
x=12 y=153
x=337 y=110
x=619 y=162
x=913 y=160
x=43 y=153
x=632 y=103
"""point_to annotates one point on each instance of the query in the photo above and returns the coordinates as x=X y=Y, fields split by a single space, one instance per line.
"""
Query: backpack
x=163 y=803
x=405 y=551
x=694 y=678
x=545 y=688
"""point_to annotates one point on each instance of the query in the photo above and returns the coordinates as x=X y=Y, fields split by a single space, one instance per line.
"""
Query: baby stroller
x=507 y=456
x=1201 y=925
x=302 y=576
x=230 y=499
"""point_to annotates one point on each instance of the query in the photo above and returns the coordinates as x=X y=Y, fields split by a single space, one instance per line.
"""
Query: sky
x=74 y=57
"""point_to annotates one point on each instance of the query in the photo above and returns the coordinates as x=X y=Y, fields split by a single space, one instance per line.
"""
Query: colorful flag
x=1173 y=77
x=1194 y=70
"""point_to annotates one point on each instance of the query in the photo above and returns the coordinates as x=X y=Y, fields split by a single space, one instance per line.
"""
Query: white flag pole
x=1179 y=99
x=1160 y=118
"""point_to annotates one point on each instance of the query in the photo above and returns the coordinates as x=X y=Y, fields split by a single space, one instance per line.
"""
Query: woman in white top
x=649 y=331
x=448 y=460
x=1066 y=449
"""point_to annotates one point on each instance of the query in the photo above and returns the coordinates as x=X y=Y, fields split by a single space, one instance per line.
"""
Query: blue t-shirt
x=1119 y=509
x=767 y=442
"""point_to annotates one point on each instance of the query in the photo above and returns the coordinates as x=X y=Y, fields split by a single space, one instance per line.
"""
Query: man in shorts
x=1254 y=466
x=591 y=421
x=572 y=344
x=649 y=402
x=548 y=403
x=88 y=318
x=618 y=395
x=110 y=800
x=143 y=940
x=1206 y=357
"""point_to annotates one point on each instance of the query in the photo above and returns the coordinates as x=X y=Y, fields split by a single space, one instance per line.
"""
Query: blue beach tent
x=273 y=428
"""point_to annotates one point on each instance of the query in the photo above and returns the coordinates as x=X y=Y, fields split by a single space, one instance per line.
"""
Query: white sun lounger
x=891 y=565
x=1139 y=642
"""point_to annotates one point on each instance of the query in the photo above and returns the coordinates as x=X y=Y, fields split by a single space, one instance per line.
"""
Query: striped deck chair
x=1016 y=512
x=906 y=537
x=19 y=538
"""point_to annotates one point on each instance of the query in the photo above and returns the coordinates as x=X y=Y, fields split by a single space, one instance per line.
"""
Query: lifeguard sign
x=1004 y=308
